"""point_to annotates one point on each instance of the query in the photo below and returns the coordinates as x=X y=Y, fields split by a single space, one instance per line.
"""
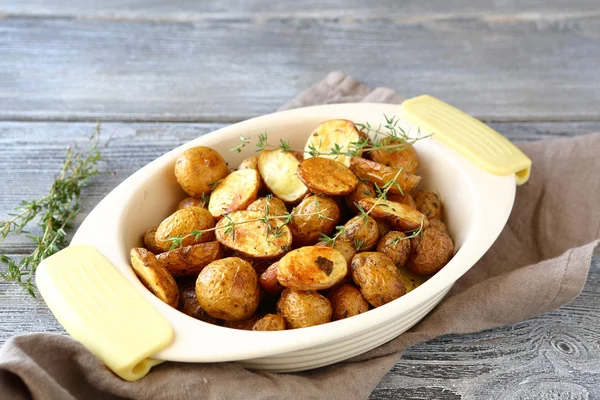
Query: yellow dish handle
x=478 y=142
x=99 y=308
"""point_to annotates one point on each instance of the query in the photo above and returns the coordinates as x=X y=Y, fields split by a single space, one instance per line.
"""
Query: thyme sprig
x=56 y=210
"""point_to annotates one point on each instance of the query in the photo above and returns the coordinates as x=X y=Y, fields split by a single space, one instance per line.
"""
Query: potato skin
x=191 y=202
x=324 y=176
x=249 y=163
x=302 y=309
x=276 y=206
x=235 y=192
x=190 y=260
x=198 y=169
x=406 y=158
x=182 y=222
x=362 y=190
x=188 y=303
x=306 y=229
x=149 y=240
x=429 y=204
x=439 y=225
x=154 y=276
x=359 y=231
x=228 y=289
x=346 y=301
x=399 y=216
x=430 y=252
x=381 y=174
x=396 y=246
x=270 y=322
x=405 y=199
x=377 y=277
x=268 y=280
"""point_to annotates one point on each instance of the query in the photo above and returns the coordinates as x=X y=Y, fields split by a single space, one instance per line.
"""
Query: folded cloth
x=539 y=262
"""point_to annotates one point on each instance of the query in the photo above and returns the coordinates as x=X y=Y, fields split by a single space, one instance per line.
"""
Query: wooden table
x=159 y=73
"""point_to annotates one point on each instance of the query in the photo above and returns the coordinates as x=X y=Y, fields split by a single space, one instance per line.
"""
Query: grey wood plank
x=186 y=10
x=227 y=70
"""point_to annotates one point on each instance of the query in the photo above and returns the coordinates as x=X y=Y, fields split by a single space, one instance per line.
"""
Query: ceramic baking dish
x=477 y=206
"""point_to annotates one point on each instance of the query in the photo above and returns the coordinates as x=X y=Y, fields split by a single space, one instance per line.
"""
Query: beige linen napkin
x=539 y=263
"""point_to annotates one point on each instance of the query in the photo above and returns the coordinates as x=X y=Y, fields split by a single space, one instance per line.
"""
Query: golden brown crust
x=276 y=206
x=399 y=216
x=183 y=222
x=270 y=322
x=190 y=260
x=346 y=301
x=325 y=176
x=311 y=268
x=363 y=189
x=381 y=175
x=405 y=199
x=377 y=277
x=406 y=158
x=429 y=204
x=191 y=202
x=236 y=192
x=307 y=228
x=362 y=230
x=154 y=276
x=396 y=246
x=430 y=252
x=198 y=169
x=301 y=309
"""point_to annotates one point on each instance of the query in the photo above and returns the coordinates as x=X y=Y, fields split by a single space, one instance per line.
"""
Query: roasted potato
x=301 y=309
x=396 y=246
x=377 y=277
x=383 y=227
x=411 y=280
x=236 y=192
x=188 y=303
x=406 y=158
x=268 y=280
x=405 y=199
x=315 y=215
x=429 y=204
x=190 y=260
x=429 y=252
x=198 y=169
x=346 y=301
x=381 y=175
x=183 y=222
x=439 y=225
x=270 y=322
x=273 y=204
x=362 y=232
x=399 y=216
x=154 y=276
x=244 y=325
x=335 y=132
x=252 y=237
x=228 y=289
x=149 y=240
x=249 y=163
x=311 y=268
x=363 y=189
x=191 y=202
x=279 y=172
x=344 y=246
x=325 y=176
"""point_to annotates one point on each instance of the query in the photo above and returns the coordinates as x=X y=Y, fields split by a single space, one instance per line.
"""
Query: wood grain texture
x=227 y=69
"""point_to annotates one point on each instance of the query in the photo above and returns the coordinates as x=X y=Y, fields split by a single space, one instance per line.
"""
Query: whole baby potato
x=406 y=158
x=429 y=204
x=430 y=252
x=346 y=301
x=228 y=289
x=396 y=246
x=149 y=240
x=439 y=225
x=301 y=309
x=377 y=277
x=270 y=322
x=362 y=231
x=183 y=222
x=315 y=215
x=198 y=169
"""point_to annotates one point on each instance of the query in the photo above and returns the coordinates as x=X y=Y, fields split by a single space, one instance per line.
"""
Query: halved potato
x=405 y=199
x=235 y=192
x=190 y=260
x=183 y=222
x=325 y=176
x=381 y=174
x=279 y=172
x=154 y=276
x=406 y=158
x=311 y=268
x=276 y=206
x=411 y=280
x=340 y=132
x=149 y=240
x=400 y=216
x=243 y=232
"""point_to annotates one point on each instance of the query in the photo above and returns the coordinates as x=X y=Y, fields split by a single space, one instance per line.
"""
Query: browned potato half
x=270 y=322
x=249 y=163
x=311 y=268
x=190 y=260
x=362 y=190
x=154 y=276
x=228 y=289
x=346 y=301
x=275 y=206
x=340 y=132
x=381 y=175
x=315 y=215
x=429 y=204
x=325 y=176
x=183 y=222
x=430 y=252
x=400 y=217
x=406 y=158
x=301 y=309
x=377 y=277
x=405 y=199
x=198 y=169
x=363 y=232
x=396 y=246
x=439 y=225
x=249 y=235
x=244 y=325
x=268 y=280
x=149 y=240
x=188 y=303
x=344 y=246
x=191 y=202
x=236 y=192
x=279 y=172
